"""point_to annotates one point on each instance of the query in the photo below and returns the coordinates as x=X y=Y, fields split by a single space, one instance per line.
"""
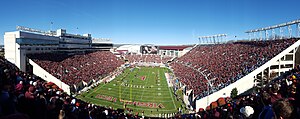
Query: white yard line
x=172 y=97
x=156 y=92
x=95 y=90
x=98 y=88
x=144 y=84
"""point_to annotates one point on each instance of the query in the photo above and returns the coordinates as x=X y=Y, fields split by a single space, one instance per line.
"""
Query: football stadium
x=50 y=74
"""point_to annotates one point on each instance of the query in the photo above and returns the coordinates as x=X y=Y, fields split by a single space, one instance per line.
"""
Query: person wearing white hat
x=247 y=111
x=34 y=83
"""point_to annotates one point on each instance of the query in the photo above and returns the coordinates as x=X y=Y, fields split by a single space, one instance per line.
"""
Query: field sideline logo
x=136 y=103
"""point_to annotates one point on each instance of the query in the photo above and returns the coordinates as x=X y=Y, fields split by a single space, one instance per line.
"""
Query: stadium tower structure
x=213 y=39
x=278 y=65
x=27 y=41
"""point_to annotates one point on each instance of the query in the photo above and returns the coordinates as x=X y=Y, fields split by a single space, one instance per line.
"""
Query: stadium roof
x=174 y=47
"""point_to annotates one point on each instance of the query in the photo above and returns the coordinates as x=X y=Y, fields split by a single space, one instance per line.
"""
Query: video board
x=149 y=49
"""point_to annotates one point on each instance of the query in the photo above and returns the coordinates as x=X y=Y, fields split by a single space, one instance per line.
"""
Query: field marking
x=172 y=98
x=158 y=92
x=144 y=84
x=137 y=94
x=139 y=108
x=164 y=99
x=102 y=86
x=96 y=90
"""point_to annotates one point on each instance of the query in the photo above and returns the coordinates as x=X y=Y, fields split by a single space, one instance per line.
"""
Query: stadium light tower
x=199 y=40
x=51 y=24
x=213 y=39
x=281 y=27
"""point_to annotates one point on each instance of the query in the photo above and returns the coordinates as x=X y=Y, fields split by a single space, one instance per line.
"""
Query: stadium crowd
x=277 y=99
x=76 y=68
x=153 y=58
x=224 y=63
x=25 y=96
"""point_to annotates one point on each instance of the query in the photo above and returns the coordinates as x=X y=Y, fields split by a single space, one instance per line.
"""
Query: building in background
x=174 y=51
x=24 y=41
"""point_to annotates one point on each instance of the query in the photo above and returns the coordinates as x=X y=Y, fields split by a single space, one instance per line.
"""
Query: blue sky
x=148 y=21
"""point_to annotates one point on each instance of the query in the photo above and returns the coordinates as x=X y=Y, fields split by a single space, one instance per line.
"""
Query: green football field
x=141 y=89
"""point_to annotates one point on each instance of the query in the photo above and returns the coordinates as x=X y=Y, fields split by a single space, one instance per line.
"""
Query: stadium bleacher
x=225 y=63
x=278 y=99
x=25 y=96
x=73 y=69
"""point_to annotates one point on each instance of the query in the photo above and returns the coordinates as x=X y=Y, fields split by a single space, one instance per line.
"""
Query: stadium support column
x=221 y=39
x=61 y=77
x=207 y=94
x=254 y=35
x=269 y=72
x=290 y=31
x=294 y=54
x=260 y=35
x=267 y=34
x=262 y=75
x=273 y=34
x=199 y=40
x=249 y=36
x=298 y=29
x=279 y=68
x=281 y=32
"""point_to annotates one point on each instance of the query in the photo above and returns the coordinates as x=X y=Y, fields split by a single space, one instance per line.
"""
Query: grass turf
x=146 y=86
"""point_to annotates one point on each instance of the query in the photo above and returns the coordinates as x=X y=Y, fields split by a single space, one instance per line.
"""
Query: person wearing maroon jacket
x=274 y=93
x=29 y=95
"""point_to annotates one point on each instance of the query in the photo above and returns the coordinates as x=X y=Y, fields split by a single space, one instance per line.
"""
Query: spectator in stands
x=247 y=112
x=267 y=112
x=274 y=93
x=76 y=69
x=282 y=109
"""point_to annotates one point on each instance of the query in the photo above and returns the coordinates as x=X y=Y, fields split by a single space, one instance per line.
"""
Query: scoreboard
x=149 y=49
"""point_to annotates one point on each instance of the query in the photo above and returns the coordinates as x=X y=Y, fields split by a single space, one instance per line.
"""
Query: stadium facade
x=27 y=41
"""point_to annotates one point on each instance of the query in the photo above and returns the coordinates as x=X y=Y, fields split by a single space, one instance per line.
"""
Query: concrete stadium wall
x=243 y=84
x=39 y=71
